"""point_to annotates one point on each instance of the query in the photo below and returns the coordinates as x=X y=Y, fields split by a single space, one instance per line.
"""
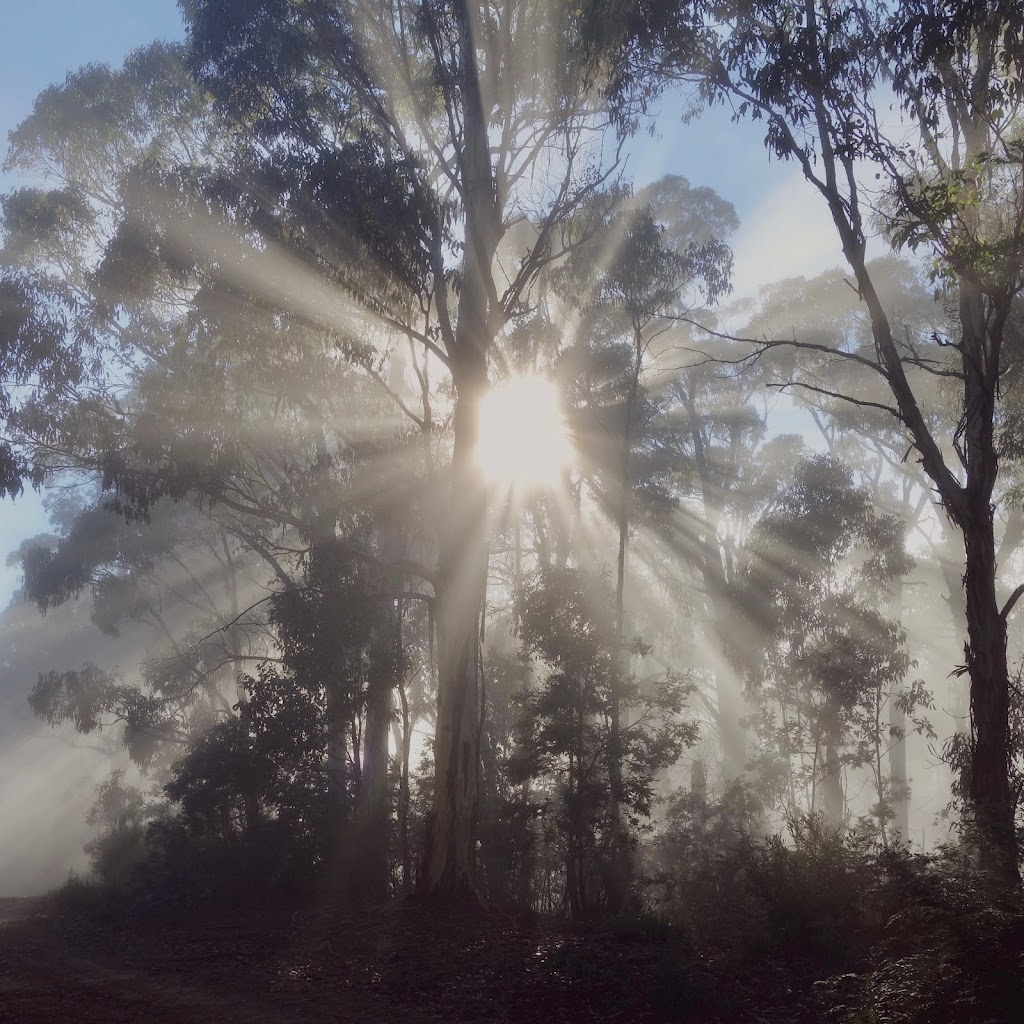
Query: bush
x=812 y=891
x=189 y=868
x=80 y=896
x=698 y=869
x=119 y=846
x=799 y=897
x=883 y=935
x=951 y=950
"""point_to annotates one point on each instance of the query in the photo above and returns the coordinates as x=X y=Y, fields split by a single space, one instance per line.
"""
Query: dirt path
x=381 y=965
x=43 y=980
x=84 y=991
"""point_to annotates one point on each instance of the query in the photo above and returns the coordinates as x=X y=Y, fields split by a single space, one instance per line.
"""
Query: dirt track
x=392 y=963
x=51 y=973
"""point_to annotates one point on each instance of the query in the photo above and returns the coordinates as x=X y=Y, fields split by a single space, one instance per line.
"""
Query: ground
x=396 y=962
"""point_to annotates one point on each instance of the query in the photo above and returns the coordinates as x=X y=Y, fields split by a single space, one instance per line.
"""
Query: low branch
x=838 y=396
x=1013 y=599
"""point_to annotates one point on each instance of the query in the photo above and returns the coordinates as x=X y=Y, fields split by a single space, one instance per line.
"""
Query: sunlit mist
x=524 y=441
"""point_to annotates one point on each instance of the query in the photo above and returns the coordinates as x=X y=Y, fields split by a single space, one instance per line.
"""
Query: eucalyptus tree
x=662 y=250
x=597 y=769
x=40 y=364
x=944 y=179
x=208 y=389
x=824 y=311
x=426 y=131
x=56 y=339
x=823 y=661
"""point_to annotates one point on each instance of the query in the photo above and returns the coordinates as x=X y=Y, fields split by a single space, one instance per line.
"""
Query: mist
x=518 y=514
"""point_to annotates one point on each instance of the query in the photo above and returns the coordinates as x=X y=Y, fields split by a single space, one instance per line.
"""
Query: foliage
x=566 y=618
x=696 y=858
x=118 y=848
x=827 y=662
x=881 y=934
x=43 y=357
x=950 y=949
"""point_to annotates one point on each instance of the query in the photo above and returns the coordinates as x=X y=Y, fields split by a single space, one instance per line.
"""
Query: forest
x=457 y=596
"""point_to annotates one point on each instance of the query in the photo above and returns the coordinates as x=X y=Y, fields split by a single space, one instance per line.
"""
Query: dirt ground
x=396 y=962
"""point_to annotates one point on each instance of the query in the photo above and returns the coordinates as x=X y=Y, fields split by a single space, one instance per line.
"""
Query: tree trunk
x=730 y=706
x=951 y=564
x=899 y=784
x=386 y=665
x=449 y=863
x=699 y=780
x=404 y=853
x=731 y=709
x=992 y=801
x=829 y=792
x=338 y=714
x=991 y=798
x=573 y=900
x=374 y=803
x=337 y=783
x=731 y=734
x=620 y=868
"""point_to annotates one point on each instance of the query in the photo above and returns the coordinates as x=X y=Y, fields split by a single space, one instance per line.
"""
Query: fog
x=522 y=478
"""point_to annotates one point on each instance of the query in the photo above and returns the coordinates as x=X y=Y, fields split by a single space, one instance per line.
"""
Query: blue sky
x=784 y=229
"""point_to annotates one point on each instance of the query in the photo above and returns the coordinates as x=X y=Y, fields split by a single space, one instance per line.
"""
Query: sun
x=523 y=440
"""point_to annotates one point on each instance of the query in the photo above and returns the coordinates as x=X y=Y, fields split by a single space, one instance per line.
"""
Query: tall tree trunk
x=233 y=674
x=374 y=802
x=620 y=868
x=404 y=852
x=699 y=780
x=956 y=600
x=728 y=686
x=732 y=735
x=337 y=757
x=337 y=784
x=573 y=899
x=991 y=798
x=899 y=784
x=575 y=896
x=829 y=796
x=449 y=863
